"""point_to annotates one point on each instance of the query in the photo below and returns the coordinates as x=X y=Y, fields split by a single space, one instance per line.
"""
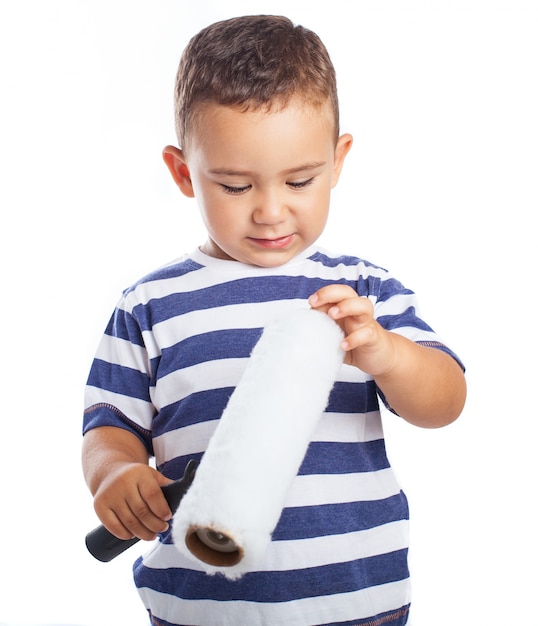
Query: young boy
x=260 y=150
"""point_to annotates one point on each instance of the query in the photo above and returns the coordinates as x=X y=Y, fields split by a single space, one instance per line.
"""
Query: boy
x=260 y=149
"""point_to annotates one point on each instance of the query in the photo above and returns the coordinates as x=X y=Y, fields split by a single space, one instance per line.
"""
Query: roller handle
x=105 y=546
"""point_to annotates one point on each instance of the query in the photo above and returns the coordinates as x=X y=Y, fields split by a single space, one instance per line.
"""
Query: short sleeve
x=118 y=387
x=397 y=310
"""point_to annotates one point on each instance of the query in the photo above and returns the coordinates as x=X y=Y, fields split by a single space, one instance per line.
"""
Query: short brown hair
x=252 y=62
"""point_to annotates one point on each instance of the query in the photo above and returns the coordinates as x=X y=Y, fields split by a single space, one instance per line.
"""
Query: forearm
x=425 y=386
x=105 y=450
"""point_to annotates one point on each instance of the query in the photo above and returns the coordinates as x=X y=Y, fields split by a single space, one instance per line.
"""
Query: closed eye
x=301 y=184
x=235 y=190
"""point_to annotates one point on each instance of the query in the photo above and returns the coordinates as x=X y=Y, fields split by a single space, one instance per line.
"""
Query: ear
x=343 y=146
x=177 y=165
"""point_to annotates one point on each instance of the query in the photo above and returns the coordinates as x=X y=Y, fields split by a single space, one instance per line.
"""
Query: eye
x=301 y=184
x=235 y=190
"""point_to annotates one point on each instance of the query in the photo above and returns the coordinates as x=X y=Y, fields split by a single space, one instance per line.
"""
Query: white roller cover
x=255 y=453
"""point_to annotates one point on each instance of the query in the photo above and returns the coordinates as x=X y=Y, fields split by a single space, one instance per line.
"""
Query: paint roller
x=226 y=519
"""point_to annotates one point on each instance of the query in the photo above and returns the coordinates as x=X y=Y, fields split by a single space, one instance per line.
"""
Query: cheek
x=218 y=215
x=316 y=209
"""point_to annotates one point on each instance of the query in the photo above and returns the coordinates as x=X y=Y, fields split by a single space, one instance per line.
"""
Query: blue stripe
x=241 y=291
x=348 y=397
x=390 y=287
x=215 y=345
x=327 y=457
x=174 y=468
x=208 y=405
x=400 y=320
x=195 y=408
x=344 y=398
x=100 y=415
x=437 y=345
x=307 y=522
x=282 y=586
x=124 y=326
x=349 y=261
x=119 y=379
x=335 y=519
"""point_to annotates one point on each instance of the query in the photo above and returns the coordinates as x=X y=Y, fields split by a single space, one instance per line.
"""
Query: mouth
x=274 y=244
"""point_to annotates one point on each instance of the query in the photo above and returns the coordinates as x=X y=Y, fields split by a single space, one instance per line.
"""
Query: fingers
x=360 y=309
x=147 y=514
x=126 y=523
x=342 y=304
x=324 y=298
x=361 y=338
x=340 y=300
x=134 y=508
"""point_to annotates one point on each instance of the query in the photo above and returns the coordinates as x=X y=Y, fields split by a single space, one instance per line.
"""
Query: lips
x=274 y=244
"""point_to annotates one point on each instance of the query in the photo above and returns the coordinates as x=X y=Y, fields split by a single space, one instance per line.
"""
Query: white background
x=440 y=187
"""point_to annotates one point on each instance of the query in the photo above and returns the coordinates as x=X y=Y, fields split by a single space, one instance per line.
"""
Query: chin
x=271 y=260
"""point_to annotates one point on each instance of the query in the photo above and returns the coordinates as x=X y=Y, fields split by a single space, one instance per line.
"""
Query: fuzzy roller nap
x=226 y=518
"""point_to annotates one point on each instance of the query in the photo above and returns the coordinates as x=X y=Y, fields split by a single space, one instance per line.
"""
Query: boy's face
x=262 y=179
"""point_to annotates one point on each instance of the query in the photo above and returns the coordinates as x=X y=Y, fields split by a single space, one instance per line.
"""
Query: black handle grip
x=105 y=546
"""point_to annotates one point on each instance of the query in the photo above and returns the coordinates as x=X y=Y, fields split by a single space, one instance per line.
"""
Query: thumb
x=161 y=479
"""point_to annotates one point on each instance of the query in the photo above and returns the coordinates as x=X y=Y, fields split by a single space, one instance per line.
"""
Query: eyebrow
x=224 y=171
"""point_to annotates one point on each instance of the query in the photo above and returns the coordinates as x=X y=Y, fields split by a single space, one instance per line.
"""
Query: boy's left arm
x=423 y=385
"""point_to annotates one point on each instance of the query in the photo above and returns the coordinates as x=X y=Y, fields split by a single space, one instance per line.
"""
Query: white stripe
x=300 y=554
x=200 y=377
x=349 y=427
x=351 y=374
x=210 y=375
x=185 y=441
x=347 y=272
x=160 y=288
x=312 y=490
x=305 y=612
x=395 y=305
x=122 y=352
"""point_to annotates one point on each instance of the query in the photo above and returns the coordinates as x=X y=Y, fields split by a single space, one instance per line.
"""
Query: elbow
x=445 y=413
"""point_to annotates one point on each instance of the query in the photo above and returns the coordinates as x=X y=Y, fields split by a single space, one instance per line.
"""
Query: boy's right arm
x=127 y=491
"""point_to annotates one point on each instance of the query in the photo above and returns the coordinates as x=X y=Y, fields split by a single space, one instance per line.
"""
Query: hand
x=130 y=503
x=423 y=385
x=368 y=345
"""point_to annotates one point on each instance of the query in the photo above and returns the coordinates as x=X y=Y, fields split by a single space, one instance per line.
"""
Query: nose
x=269 y=209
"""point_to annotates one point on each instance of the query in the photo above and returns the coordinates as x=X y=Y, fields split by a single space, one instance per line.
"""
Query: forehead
x=211 y=121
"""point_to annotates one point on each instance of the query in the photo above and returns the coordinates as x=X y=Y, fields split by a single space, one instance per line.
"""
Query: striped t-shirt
x=170 y=358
